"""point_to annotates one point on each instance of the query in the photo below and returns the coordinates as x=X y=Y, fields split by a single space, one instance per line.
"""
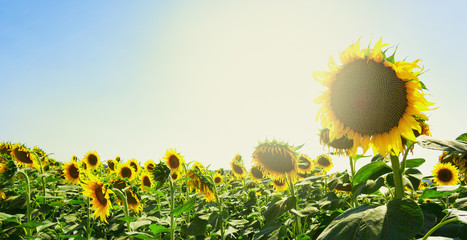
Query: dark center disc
x=445 y=175
x=174 y=161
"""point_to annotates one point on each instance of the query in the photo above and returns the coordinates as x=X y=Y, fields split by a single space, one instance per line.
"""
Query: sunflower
x=275 y=158
x=305 y=164
x=133 y=201
x=112 y=165
x=302 y=175
x=238 y=170
x=199 y=166
x=96 y=190
x=124 y=170
x=201 y=184
x=445 y=174
x=175 y=175
x=72 y=172
x=146 y=180
x=5 y=148
x=324 y=162
x=149 y=165
x=371 y=99
x=135 y=165
x=279 y=184
x=92 y=160
x=340 y=146
x=217 y=179
x=23 y=156
x=3 y=167
x=173 y=159
x=117 y=158
x=256 y=173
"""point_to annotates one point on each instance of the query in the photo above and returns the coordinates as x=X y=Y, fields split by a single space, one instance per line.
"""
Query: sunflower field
x=286 y=194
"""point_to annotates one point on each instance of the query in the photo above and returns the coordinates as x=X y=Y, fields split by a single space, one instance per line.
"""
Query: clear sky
x=209 y=78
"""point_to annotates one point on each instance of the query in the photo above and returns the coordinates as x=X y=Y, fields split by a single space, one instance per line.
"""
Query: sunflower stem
x=88 y=220
x=440 y=224
x=298 y=229
x=28 y=202
x=172 y=206
x=221 y=209
x=397 y=175
x=352 y=172
x=404 y=159
x=125 y=208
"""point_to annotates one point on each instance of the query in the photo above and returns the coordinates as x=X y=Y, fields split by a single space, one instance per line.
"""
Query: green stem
x=172 y=207
x=219 y=205
x=409 y=145
x=298 y=229
x=125 y=208
x=352 y=166
x=88 y=222
x=440 y=224
x=352 y=172
x=397 y=175
x=28 y=201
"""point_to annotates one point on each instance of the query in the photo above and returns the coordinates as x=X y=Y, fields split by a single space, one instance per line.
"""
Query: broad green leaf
x=275 y=209
x=185 y=207
x=435 y=193
x=414 y=162
x=442 y=145
x=156 y=229
x=128 y=218
x=400 y=219
x=4 y=216
x=31 y=224
x=137 y=224
x=331 y=202
x=76 y=202
x=140 y=235
x=197 y=227
x=462 y=137
x=367 y=187
x=372 y=170
x=303 y=237
x=270 y=232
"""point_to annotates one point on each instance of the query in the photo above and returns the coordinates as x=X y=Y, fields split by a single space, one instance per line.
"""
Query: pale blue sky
x=210 y=78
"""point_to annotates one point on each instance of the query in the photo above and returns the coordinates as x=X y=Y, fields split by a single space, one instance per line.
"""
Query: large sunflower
x=92 y=160
x=96 y=190
x=238 y=169
x=124 y=170
x=72 y=172
x=445 y=174
x=275 y=158
x=371 y=99
x=173 y=159
x=23 y=156
x=324 y=162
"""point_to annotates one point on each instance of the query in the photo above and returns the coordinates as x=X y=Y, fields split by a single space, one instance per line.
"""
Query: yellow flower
x=92 y=160
x=23 y=156
x=199 y=166
x=445 y=174
x=124 y=170
x=371 y=99
x=2 y=195
x=256 y=173
x=339 y=146
x=175 y=175
x=279 y=184
x=95 y=189
x=133 y=201
x=305 y=164
x=276 y=159
x=72 y=172
x=5 y=148
x=173 y=159
x=217 y=179
x=146 y=180
x=149 y=165
x=135 y=165
x=201 y=184
x=324 y=162
x=238 y=170
x=112 y=165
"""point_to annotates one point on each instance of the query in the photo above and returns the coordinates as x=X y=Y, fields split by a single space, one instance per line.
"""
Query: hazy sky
x=210 y=78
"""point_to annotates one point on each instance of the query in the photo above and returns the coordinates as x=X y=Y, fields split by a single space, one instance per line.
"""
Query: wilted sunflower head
x=92 y=160
x=217 y=178
x=173 y=159
x=324 y=162
x=256 y=173
x=72 y=172
x=23 y=156
x=201 y=183
x=238 y=170
x=280 y=184
x=5 y=147
x=135 y=165
x=372 y=99
x=124 y=170
x=275 y=158
x=339 y=146
x=199 y=166
x=305 y=164
x=161 y=172
x=445 y=174
x=449 y=157
x=95 y=189
x=149 y=165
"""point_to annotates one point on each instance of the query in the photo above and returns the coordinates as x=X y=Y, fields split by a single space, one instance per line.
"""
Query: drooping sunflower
x=72 y=172
x=339 y=146
x=112 y=165
x=146 y=180
x=135 y=165
x=305 y=164
x=324 y=162
x=199 y=166
x=445 y=174
x=41 y=155
x=217 y=178
x=92 y=160
x=201 y=184
x=173 y=159
x=96 y=190
x=5 y=147
x=149 y=165
x=280 y=184
x=124 y=170
x=276 y=159
x=256 y=173
x=371 y=99
x=133 y=201
x=23 y=156
x=238 y=170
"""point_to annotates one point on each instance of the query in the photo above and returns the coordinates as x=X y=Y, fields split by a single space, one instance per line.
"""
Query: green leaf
x=185 y=207
x=76 y=202
x=462 y=137
x=436 y=193
x=128 y=218
x=4 y=216
x=442 y=145
x=156 y=229
x=372 y=170
x=400 y=219
x=270 y=232
x=139 y=235
x=197 y=227
x=137 y=224
x=275 y=209
x=414 y=162
x=367 y=187
x=31 y=224
x=303 y=237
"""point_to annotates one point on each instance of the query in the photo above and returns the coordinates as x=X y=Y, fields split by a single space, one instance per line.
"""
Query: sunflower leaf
x=185 y=207
x=435 y=193
x=462 y=137
x=156 y=229
x=276 y=209
x=414 y=162
x=443 y=145
x=372 y=170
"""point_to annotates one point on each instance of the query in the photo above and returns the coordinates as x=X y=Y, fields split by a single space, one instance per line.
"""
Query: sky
x=209 y=78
